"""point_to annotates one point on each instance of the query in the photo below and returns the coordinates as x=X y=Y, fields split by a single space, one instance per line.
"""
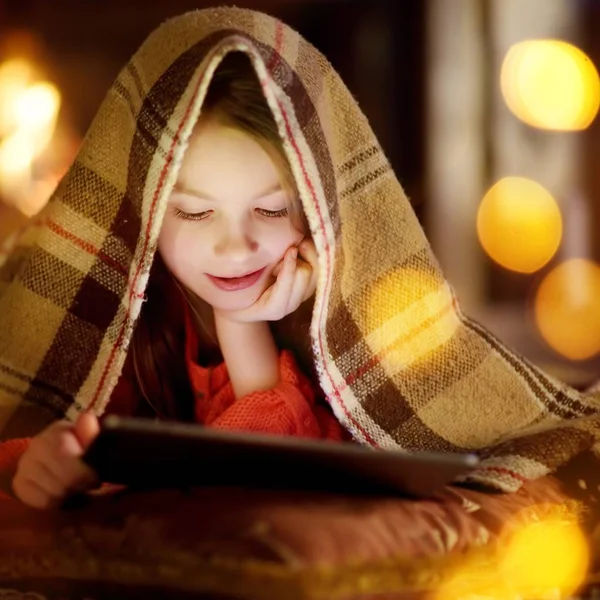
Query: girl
x=234 y=255
x=231 y=191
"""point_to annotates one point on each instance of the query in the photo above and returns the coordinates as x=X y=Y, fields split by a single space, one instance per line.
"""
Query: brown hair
x=234 y=98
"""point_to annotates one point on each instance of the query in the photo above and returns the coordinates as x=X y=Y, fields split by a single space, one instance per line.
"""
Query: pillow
x=248 y=544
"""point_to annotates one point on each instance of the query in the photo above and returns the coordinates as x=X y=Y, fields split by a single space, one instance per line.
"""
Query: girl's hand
x=51 y=468
x=296 y=281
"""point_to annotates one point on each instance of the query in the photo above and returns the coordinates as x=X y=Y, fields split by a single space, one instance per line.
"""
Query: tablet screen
x=157 y=454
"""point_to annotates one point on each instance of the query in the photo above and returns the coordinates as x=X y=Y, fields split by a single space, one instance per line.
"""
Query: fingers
x=308 y=252
x=52 y=468
x=67 y=466
x=302 y=281
x=45 y=479
x=34 y=483
x=277 y=268
x=295 y=281
x=32 y=494
x=87 y=428
x=281 y=291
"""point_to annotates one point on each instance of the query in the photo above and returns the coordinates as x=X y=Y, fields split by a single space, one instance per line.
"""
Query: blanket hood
x=397 y=360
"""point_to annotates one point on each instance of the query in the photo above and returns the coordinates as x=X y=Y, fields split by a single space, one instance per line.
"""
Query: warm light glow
x=519 y=224
x=567 y=309
x=410 y=315
x=549 y=555
x=28 y=117
x=15 y=76
x=37 y=109
x=16 y=155
x=16 y=158
x=537 y=556
x=550 y=84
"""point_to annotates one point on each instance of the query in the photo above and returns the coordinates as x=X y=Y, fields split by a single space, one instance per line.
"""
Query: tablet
x=144 y=453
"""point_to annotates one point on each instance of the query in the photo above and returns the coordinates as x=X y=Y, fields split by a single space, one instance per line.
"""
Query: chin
x=231 y=301
x=232 y=306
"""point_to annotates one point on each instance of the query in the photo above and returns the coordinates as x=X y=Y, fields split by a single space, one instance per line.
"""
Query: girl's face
x=226 y=226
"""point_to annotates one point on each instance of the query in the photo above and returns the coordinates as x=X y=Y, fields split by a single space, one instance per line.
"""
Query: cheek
x=279 y=239
x=179 y=248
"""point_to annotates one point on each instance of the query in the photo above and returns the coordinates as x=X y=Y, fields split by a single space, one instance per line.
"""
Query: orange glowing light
x=28 y=117
x=550 y=84
x=409 y=314
x=519 y=224
x=567 y=309
x=537 y=556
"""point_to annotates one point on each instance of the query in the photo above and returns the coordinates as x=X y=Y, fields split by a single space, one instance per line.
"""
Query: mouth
x=234 y=284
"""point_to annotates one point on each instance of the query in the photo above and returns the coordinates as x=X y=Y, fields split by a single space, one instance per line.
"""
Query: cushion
x=248 y=544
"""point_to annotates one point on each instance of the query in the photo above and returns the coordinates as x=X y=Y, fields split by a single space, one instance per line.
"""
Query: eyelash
x=269 y=214
x=273 y=214
x=180 y=214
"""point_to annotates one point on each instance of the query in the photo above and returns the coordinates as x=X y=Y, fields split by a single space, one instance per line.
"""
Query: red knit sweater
x=295 y=407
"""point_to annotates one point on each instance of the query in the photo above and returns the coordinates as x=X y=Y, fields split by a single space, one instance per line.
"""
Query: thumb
x=86 y=429
x=275 y=272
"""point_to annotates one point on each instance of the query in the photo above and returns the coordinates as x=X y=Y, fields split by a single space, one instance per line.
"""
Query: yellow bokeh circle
x=550 y=84
x=409 y=314
x=519 y=224
x=548 y=555
x=567 y=309
x=541 y=552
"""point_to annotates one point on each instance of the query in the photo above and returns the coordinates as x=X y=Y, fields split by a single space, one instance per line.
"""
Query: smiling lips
x=235 y=284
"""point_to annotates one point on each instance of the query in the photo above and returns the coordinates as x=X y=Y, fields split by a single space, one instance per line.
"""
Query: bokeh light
x=37 y=107
x=551 y=554
x=541 y=552
x=567 y=309
x=29 y=110
x=410 y=314
x=16 y=155
x=519 y=224
x=15 y=76
x=550 y=84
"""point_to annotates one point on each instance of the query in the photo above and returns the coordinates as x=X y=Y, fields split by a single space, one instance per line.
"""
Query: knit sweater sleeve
x=290 y=408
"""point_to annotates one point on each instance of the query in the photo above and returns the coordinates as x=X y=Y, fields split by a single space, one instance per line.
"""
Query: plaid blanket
x=401 y=366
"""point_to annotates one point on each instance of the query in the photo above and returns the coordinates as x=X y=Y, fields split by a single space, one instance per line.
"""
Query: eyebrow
x=277 y=187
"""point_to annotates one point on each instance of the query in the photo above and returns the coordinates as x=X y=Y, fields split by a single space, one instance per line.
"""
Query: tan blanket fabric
x=399 y=363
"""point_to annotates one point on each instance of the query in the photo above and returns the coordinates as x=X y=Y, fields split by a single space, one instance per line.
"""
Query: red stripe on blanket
x=89 y=248
x=362 y=370
x=328 y=266
x=278 y=46
x=504 y=471
x=159 y=187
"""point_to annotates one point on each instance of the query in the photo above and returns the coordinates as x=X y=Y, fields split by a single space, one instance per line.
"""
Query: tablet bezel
x=146 y=453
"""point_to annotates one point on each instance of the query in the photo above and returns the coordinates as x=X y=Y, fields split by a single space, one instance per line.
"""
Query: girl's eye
x=273 y=214
x=191 y=216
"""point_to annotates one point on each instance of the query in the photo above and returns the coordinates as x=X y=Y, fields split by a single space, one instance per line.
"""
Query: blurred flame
x=28 y=117
x=410 y=315
x=550 y=84
x=542 y=553
x=16 y=155
x=36 y=112
x=567 y=309
x=519 y=224
x=15 y=76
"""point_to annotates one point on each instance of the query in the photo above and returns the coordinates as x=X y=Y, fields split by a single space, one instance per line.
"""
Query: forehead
x=222 y=157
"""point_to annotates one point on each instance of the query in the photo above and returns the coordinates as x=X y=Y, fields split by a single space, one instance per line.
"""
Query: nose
x=236 y=243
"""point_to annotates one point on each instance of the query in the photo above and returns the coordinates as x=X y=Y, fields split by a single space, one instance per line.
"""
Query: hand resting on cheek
x=295 y=282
